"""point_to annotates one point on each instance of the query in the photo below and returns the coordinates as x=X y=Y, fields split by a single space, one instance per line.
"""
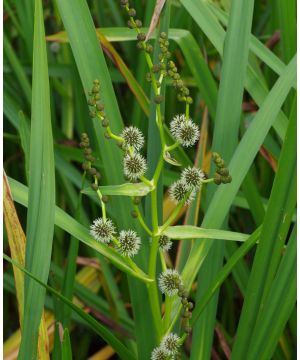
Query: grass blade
x=107 y=335
x=17 y=243
x=275 y=227
x=41 y=203
x=225 y=139
x=194 y=232
x=278 y=305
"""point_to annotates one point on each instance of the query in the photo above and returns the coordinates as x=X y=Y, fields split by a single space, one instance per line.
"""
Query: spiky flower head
x=158 y=354
x=133 y=137
x=134 y=166
x=169 y=282
x=130 y=243
x=175 y=124
x=165 y=243
x=187 y=133
x=192 y=177
x=102 y=230
x=169 y=344
x=178 y=191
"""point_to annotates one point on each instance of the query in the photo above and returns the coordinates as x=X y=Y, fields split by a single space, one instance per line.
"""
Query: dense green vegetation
x=183 y=146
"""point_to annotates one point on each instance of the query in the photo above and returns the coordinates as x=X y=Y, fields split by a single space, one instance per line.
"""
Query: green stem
x=172 y=147
x=141 y=220
x=167 y=316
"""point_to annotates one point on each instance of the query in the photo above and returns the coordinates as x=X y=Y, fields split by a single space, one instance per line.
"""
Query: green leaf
x=278 y=305
x=106 y=334
x=66 y=350
x=138 y=189
x=255 y=85
x=239 y=166
x=224 y=272
x=193 y=232
x=70 y=225
x=274 y=231
x=41 y=203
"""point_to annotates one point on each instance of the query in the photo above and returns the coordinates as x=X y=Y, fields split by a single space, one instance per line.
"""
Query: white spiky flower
x=192 y=177
x=158 y=354
x=133 y=137
x=184 y=130
x=134 y=166
x=102 y=230
x=169 y=282
x=187 y=133
x=130 y=243
x=178 y=191
x=170 y=344
x=165 y=243
x=175 y=124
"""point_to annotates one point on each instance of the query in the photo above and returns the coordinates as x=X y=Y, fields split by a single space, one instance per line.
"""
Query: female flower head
x=102 y=230
x=169 y=282
x=192 y=177
x=165 y=243
x=133 y=137
x=158 y=354
x=185 y=131
x=170 y=344
x=178 y=191
x=130 y=243
x=134 y=166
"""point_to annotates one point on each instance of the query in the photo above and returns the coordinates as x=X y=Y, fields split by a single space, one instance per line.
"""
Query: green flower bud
x=158 y=99
x=95 y=89
x=105 y=199
x=92 y=171
x=149 y=48
x=85 y=166
x=134 y=214
x=95 y=187
x=105 y=123
x=99 y=106
x=138 y=23
x=131 y=12
x=141 y=37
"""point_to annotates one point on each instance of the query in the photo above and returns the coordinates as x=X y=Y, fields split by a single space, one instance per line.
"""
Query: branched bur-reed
x=131 y=141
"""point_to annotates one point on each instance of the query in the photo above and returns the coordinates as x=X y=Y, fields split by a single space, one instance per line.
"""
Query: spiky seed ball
x=169 y=281
x=192 y=177
x=175 y=124
x=169 y=344
x=133 y=137
x=102 y=230
x=158 y=354
x=187 y=133
x=134 y=166
x=178 y=190
x=130 y=243
x=165 y=243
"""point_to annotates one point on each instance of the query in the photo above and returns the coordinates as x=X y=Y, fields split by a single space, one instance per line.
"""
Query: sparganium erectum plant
x=185 y=132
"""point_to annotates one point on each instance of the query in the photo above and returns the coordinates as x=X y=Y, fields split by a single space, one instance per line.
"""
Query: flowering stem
x=152 y=288
x=167 y=316
x=172 y=147
x=187 y=111
x=146 y=181
x=174 y=214
x=141 y=220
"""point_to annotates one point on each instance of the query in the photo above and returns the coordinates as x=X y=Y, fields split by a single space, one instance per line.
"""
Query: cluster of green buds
x=96 y=106
x=221 y=175
x=183 y=91
x=87 y=165
x=187 y=307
